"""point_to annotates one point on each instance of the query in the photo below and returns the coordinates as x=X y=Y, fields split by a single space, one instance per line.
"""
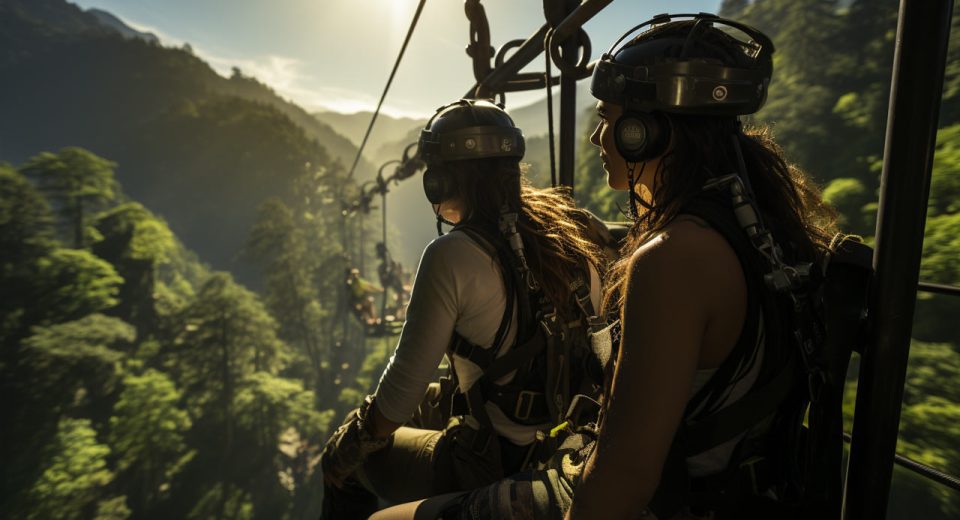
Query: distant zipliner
x=393 y=277
x=361 y=292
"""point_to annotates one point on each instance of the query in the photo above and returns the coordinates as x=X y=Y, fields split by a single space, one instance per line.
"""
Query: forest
x=177 y=333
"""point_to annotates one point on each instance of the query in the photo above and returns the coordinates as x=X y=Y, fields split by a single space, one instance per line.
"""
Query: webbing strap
x=716 y=211
x=515 y=358
x=724 y=425
x=511 y=293
x=580 y=290
x=482 y=357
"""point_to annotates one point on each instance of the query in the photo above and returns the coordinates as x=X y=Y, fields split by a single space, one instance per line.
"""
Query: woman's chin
x=616 y=183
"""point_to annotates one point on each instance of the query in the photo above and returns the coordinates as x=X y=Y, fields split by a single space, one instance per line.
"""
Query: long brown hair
x=702 y=147
x=553 y=229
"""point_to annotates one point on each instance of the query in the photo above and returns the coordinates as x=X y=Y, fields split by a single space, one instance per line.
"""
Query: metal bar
x=577 y=14
x=938 y=288
x=915 y=89
x=927 y=472
x=944 y=479
x=581 y=15
x=518 y=60
x=568 y=129
x=532 y=47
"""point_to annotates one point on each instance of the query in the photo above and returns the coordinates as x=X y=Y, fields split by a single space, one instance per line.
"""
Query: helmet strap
x=441 y=221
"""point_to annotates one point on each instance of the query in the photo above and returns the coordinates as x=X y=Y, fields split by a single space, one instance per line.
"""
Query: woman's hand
x=350 y=445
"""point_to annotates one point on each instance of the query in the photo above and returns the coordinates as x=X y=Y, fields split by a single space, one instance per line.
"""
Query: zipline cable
x=413 y=25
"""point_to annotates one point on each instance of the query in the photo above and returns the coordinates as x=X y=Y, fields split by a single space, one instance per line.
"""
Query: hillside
x=109 y=20
x=199 y=149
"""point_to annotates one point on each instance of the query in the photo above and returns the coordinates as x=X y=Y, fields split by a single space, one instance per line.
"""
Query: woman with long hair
x=723 y=226
x=507 y=295
x=702 y=395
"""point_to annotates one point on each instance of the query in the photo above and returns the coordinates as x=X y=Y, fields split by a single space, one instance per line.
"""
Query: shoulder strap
x=718 y=213
x=510 y=286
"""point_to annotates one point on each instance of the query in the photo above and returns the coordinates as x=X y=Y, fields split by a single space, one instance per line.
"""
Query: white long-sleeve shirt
x=458 y=286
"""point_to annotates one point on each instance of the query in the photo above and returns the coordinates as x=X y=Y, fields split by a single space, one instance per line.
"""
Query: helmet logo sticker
x=506 y=145
x=470 y=143
x=720 y=93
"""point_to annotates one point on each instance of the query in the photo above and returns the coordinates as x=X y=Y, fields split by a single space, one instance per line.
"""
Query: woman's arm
x=672 y=286
x=431 y=316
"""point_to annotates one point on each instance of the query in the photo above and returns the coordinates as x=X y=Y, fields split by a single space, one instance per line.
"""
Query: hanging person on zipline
x=392 y=277
x=719 y=346
x=360 y=295
x=509 y=295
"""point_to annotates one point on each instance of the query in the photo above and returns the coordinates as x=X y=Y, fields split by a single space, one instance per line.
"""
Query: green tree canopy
x=26 y=222
x=140 y=234
x=76 y=475
x=147 y=433
x=72 y=283
x=77 y=181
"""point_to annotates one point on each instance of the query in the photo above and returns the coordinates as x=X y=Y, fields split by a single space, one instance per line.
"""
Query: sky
x=337 y=54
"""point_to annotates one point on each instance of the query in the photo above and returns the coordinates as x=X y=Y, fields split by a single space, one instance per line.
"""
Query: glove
x=349 y=446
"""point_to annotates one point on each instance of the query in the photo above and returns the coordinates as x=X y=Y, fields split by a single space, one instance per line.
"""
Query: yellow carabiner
x=559 y=428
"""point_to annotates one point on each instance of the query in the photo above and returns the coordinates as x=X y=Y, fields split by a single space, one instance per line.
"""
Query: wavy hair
x=553 y=229
x=701 y=148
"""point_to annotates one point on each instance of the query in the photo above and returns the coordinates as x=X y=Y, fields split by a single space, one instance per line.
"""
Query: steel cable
x=413 y=25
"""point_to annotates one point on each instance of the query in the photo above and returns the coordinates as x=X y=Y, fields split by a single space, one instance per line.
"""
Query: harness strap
x=717 y=213
x=724 y=425
x=510 y=285
x=581 y=295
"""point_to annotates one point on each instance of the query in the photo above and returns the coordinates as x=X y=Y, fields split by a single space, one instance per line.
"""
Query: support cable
x=413 y=25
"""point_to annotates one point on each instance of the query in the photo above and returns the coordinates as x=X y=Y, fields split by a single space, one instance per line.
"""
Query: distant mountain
x=532 y=118
x=198 y=149
x=387 y=131
x=118 y=25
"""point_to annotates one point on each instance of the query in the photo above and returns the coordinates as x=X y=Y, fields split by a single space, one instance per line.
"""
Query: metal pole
x=568 y=99
x=915 y=89
x=578 y=15
x=518 y=60
x=581 y=15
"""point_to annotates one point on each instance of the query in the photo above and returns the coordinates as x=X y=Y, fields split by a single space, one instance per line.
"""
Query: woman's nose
x=595 y=136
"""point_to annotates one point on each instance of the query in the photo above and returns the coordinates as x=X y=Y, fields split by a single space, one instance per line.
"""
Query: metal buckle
x=525 y=403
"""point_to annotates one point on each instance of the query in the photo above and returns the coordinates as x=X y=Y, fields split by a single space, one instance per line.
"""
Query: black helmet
x=687 y=66
x=465 y=129
x=470 y=129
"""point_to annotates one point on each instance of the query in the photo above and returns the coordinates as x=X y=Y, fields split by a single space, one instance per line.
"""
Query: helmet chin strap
x=441 y=221
x=632 y=182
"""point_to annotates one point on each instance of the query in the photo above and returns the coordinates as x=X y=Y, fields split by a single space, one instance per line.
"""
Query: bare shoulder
x=687 y=253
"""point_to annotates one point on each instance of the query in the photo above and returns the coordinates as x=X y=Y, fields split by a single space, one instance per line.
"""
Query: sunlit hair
x=552 y=227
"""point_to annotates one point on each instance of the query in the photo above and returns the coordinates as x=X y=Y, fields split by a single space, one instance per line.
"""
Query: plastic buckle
x=524 y=402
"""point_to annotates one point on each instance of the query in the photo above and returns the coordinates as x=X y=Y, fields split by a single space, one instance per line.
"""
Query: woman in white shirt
x=508 y=295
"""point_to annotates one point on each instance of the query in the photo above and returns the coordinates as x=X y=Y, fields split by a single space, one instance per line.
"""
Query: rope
x=413 y=25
